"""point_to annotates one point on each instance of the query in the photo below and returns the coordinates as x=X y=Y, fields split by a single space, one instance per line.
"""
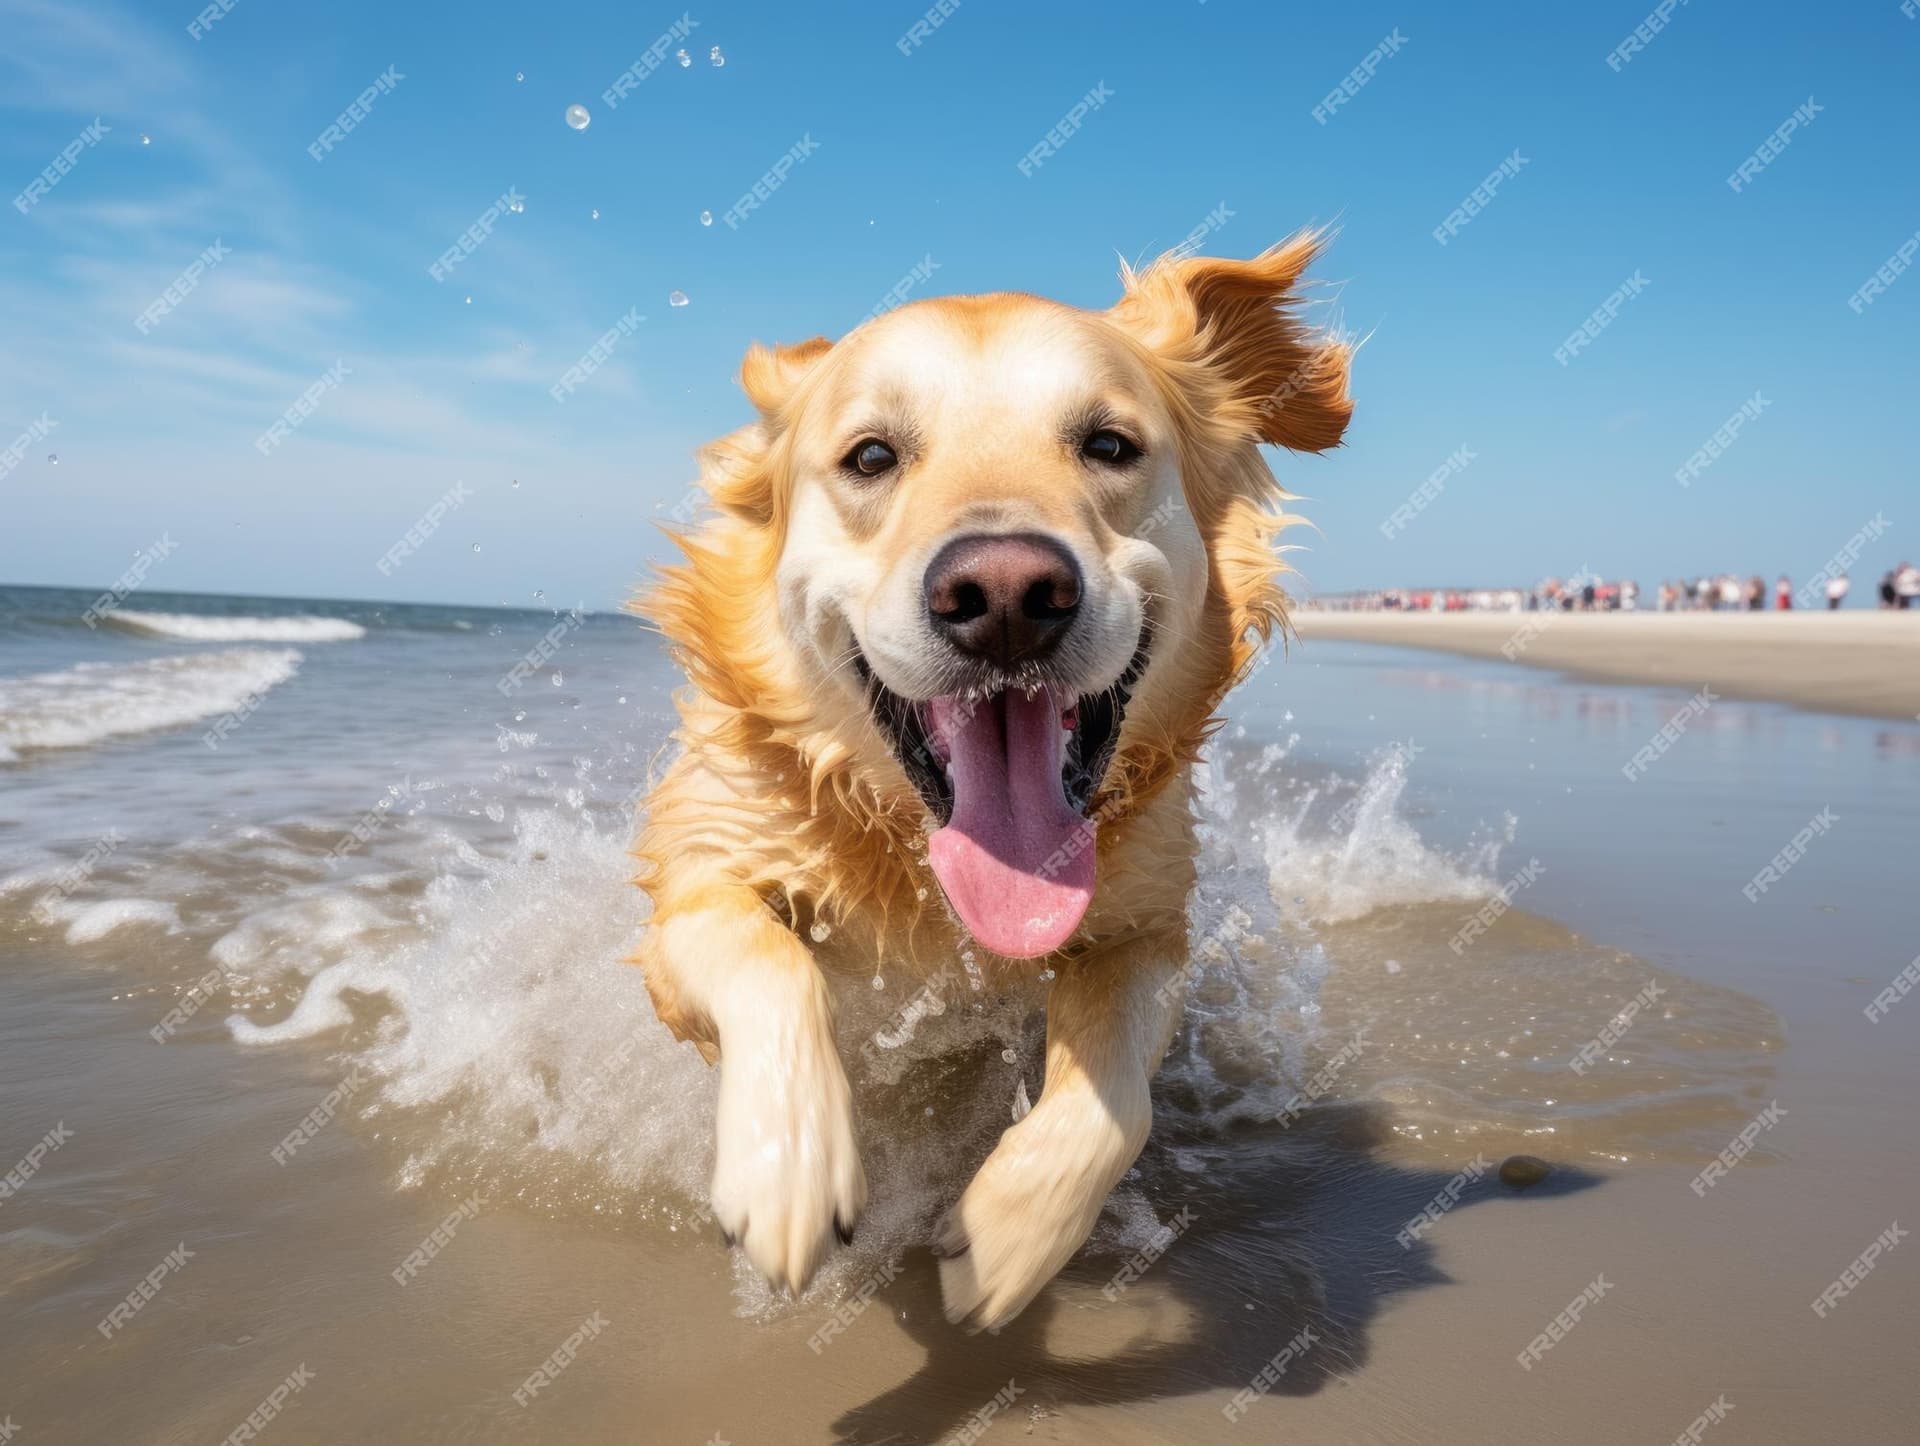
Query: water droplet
x=469 y=301
x=928 y=1111
x=53 y=459
x=878 y=982
x=920 y=894
x=1009 y=1056
x=676 y=298
x=476 y=547
x=539 y=595
x=145 y=139
x=516 y=481
x=558 y=678
x=594 y=214
x=716 y=57
x=516 y=205
x=1046 y=976
x=579 y=117
x=519 y=75
x=684 y=59
x=621 y=699
x=521 y=716
x=821 y=933
x=706 y=218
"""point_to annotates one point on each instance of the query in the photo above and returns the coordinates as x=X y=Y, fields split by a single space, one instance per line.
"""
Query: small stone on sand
x=1521 y=1171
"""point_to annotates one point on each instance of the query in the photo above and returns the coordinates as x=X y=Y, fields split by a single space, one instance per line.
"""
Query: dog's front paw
x=1032 y=1205
x=787 y=1177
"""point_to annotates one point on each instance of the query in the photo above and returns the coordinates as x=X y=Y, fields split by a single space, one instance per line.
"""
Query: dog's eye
x=1110 y=448
x=870 y=458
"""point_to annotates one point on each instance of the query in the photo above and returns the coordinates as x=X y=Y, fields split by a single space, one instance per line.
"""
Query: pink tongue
x=1016 y=860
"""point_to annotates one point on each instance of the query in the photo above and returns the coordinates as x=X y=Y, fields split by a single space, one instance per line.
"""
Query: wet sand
x=1859 y=662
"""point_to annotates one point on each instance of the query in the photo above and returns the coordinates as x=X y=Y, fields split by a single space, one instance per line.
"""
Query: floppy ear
x=1273 y=377
x=771 y=374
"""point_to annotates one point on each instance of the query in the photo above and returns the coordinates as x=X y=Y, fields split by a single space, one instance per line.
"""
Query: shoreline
x=1862 y=663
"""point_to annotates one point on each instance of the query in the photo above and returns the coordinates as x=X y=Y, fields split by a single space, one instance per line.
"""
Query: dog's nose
x=1005 y=598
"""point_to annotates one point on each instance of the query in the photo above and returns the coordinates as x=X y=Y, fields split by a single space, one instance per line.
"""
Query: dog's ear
x=771 y=374
x=1272 y=376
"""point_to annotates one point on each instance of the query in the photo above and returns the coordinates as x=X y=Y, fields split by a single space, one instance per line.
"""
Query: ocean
x=327 y=1083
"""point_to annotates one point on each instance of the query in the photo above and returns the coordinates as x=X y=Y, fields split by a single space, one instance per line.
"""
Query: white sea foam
x=90 y=922
x=91 y=701
x=207 y=628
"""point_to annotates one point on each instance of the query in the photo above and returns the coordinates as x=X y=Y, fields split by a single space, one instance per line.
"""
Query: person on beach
x=1837 y=589
x=1886 y=589
x=1783 y=595
x=1906 y=584
x=1756 y=593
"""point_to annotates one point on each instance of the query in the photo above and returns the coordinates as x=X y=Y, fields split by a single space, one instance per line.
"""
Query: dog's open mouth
x=1010 y=775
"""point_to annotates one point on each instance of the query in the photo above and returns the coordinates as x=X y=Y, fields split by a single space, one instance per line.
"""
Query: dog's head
x=1010 y=554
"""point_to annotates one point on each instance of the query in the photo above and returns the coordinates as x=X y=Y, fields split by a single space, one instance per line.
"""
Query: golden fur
x=786 y=809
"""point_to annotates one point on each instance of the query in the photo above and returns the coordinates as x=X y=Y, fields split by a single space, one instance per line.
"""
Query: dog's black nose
x=1006 y=598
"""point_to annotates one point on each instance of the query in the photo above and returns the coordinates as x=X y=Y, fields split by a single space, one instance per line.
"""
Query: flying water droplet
x=145 y=139
x=476 y=547
x=579 y=117
x=469 y=301
x=558 y=678
x=706 y=218
x=53 y=459
x=684 y=59
x=594 y=214
x=539 y=595
x=878 y=982
x=516 y=481
x=920 y=894
x=519 y=75
x=716 y=57
x=821 y=933
x=521 y=716
x=676 y=298
x=516 y=205
x=1009 y=1056
x=622 y=700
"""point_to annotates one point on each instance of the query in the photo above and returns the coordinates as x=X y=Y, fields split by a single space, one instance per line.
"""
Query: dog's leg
x=725 y=973
x=1038 y=1194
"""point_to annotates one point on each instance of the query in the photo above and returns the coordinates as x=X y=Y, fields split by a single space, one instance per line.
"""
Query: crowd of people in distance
x=1899 y=588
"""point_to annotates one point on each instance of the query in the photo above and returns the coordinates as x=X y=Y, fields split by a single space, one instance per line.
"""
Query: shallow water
x=392 y=890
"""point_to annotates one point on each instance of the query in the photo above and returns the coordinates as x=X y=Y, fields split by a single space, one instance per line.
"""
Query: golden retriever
x=977 y=580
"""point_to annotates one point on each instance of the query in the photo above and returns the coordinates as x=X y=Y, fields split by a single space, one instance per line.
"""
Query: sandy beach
x=1866 y=663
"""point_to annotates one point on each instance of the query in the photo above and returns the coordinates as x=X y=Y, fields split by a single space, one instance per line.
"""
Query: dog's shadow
x=1296 y=1238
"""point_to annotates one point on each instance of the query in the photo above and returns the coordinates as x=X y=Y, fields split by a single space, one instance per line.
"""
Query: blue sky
x=914 y=156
